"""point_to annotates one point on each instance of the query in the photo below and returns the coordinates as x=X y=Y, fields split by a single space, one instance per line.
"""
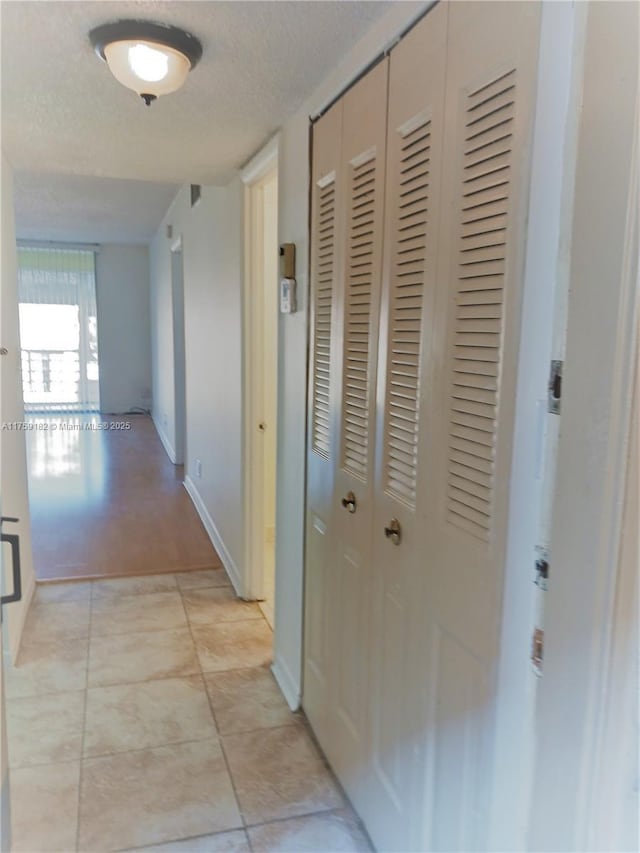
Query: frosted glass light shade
x=149 y=57
x=147 y=67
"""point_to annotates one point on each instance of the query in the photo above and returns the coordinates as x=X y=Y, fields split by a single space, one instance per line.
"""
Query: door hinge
x=554 y=388
x=537 y=650
x=542 y=568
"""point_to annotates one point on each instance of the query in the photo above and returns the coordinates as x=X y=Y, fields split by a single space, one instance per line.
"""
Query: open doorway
x=179 y=377
x=261 y=354
x=58 y=330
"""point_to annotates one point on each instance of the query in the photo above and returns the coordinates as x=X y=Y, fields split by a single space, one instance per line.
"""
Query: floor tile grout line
x=170 y=745
x=200 y=672
x=245 y=829
x=188 y=624
x=258 y=824
x=215 y=721
x=217 y=735
x=155 y=844
x=84 y=724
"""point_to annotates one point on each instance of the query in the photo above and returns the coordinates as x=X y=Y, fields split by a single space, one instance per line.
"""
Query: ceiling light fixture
x=152 y=59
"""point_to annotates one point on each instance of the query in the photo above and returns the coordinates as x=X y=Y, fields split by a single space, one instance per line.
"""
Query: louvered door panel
x=477 y=327
x=361 y=273
x=412 y=206
x=413 y=168
x=490 y=88
x=325 y=270
x=326 y=284
x=358 y=308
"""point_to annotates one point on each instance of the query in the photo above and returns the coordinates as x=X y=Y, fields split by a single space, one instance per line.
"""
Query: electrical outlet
x=198 y=469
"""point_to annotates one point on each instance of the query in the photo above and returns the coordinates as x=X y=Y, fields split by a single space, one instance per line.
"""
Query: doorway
x=179 y=367
x=261 y=371
x=58 y=330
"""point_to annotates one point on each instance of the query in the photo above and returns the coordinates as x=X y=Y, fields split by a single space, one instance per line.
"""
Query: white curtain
x=58 y=329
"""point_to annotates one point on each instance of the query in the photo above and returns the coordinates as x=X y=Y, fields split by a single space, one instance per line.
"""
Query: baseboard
x=214 y=534
x=171 y=453
x=287 y=683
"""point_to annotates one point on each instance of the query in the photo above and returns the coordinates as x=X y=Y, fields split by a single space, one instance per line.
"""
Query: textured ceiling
x=63 y=114
x=85 y=209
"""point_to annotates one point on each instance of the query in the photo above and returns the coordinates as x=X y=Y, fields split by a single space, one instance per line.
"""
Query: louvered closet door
x=399 y=666
x=326 y=278
x=363 y=166
x=490 y=94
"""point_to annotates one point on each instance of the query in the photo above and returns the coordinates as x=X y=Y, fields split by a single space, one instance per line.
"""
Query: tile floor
x=143 y=714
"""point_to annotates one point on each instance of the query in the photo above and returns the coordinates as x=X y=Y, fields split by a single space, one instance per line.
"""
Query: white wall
x=213 y=269
x=122 y=293
x=13 y=462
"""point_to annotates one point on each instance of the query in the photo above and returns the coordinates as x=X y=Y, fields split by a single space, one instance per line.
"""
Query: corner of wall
x=166 y=443
x=214 y=535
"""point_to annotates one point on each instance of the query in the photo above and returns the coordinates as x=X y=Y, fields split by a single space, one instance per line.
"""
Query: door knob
x=394 y=531
x=349 y=502
x=262 y=426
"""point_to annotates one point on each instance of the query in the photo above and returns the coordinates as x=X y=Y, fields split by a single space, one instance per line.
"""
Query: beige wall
x=13 y=479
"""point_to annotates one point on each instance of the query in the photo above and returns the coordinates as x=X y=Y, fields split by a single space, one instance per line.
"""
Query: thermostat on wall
x=287 y=295
x=288 y=281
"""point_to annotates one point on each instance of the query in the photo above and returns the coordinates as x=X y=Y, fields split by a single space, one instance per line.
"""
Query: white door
x=398 y=665
x=490 y=93
x=358 y=300
x=326 y=229
x=5 y=811
x=408 y=500
x=179 y=366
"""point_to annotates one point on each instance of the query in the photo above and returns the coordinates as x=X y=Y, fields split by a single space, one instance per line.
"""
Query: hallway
x=106 y=500
x=142 y=712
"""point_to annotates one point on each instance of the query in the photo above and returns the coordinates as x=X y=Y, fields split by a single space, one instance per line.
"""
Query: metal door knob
x=262 y=426
x=394 y=531
x=349 y=502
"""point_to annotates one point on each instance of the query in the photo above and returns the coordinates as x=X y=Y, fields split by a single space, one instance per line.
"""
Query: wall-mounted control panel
x=288 y=302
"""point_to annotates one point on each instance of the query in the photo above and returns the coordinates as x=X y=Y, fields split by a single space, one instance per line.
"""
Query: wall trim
x=165 y=440
x=214 y=535
x=287 y=683
x=263 y=162
x=254 y=176
x=593 y=446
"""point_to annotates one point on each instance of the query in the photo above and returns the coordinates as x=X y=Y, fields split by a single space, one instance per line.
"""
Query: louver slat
x=477 y=323
x=358 y=297
x=323 y=302
x=405 y=311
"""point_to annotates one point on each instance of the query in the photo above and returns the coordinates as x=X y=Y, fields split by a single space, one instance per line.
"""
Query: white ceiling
x=68 y=126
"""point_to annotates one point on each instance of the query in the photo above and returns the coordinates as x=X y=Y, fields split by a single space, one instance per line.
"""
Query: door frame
x=595 y=442
x=179 y=340
x=261 y=167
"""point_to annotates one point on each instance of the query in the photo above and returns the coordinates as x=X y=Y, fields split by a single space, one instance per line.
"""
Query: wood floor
x=107 y=502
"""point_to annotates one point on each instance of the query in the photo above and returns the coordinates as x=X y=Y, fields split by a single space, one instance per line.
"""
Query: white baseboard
x=214 y=534
x=287 y=683
x=171 y=453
